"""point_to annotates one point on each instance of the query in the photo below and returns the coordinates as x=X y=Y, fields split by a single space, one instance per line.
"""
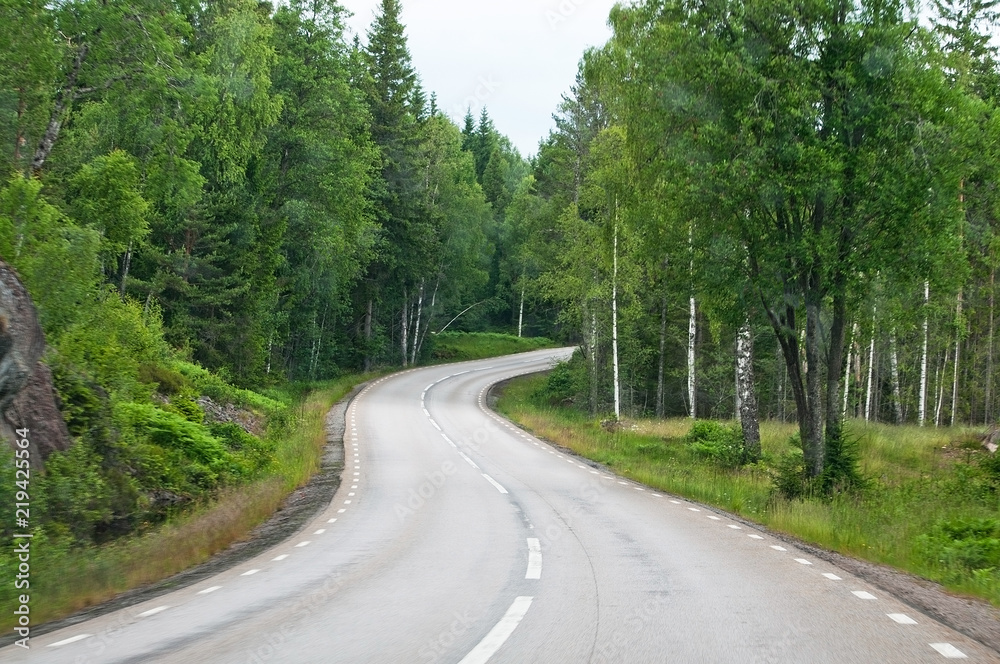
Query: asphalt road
x=456 y=537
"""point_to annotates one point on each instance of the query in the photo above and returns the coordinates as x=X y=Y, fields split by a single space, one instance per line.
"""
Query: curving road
x=456 y=537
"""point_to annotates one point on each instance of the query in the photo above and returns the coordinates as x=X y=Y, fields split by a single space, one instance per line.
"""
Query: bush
x=789 y=475
x=963 y=546
x=721 y=444
x=259 y=455
x=567 y=382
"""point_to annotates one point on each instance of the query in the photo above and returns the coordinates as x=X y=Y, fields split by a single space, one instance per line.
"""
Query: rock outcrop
x=27 y=398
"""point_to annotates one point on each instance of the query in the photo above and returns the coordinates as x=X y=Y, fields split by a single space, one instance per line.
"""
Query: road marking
x=639 y=488
x=534 y=559
x=715 y=518
x=624 y=483
x=341 y=511
x=351 y=493
x=494 y=483
x=250 y=572
x=694 y=509
x=861 y=594
x=74 y=639
x=778 y=548
x=656 y=495
x=302 y=544
x=153 y=612
x=735 y=527
x=468 y=460
x=208 y=590
x=902 y=618
x=347 y=502
x=426 y=413
x=832 y=577
x=500 y=632
x=803 y=561
x=949 y=651
x=758 y=537
x=334 y=520
x=320 y=531
x=356 y=474
x=436 y=425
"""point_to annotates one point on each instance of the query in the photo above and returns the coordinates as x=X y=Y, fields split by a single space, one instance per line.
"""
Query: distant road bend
x=456 y=537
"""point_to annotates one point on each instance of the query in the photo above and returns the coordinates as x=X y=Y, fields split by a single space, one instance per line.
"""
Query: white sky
x=516 y=57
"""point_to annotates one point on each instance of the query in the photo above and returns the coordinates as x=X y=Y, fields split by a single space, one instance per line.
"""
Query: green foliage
x=963 y=546
x=259 y=455
x=167 y=380
x=567 y=382
x=719 y=443
x=78 y=499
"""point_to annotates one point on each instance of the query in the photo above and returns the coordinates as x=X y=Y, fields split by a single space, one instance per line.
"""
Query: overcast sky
x=516 y=57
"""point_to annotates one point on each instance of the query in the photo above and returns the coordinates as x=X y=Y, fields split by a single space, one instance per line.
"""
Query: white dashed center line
x=495 y=483
x=949 y=651
x=534 y=559
x=500 y=632
x=72 y=639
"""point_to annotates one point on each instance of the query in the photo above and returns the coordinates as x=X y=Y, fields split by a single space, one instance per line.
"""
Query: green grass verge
x=917 y=480
x=462 y=346
x=65 y=580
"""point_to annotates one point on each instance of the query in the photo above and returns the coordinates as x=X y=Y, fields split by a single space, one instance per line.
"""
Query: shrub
x=789 y=475
x=962 y=546
x=567 y=382
x=719 y=443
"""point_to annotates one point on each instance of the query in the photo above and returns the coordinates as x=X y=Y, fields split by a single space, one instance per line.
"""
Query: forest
x=753 y=210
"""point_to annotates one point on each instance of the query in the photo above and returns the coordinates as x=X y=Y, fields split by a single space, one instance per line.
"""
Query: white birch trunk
x=958 y=349
x=692 y=334
x=847 y=369
x=897 y=396
x=746 y=393
x=416 y=327
x=614 y=325
x=939 y=378
x=520 y=314
x=922 y=407
x=871 y=372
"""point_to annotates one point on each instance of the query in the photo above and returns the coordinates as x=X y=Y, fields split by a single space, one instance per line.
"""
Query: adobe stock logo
x=485 y=88
x=562 y=12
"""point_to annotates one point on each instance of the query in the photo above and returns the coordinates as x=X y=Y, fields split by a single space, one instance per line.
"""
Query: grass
x=462 y=346
x=916 y=479
x=65 y=581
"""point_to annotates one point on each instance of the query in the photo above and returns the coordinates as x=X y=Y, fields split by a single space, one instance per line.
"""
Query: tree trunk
x=812 y=442
x=416 y=327
x=958 y=347
x=614 y=325
x=747 y=393
x=939 y=377
x=368 y=335
x=430 y=315
x=520 y=313
x=871 y=374
x=897 y=392
x=126 y=262
x=405 y=327
x=63 y=105
x=692 y=337
x=922 y=408
x=989 y=352
x=847 y=370
x=594 y=383
x=663 y=356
